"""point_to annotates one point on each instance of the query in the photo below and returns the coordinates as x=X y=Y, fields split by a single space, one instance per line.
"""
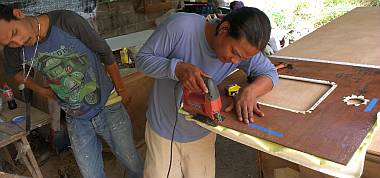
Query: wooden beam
x=156 y=6
x=6 y=175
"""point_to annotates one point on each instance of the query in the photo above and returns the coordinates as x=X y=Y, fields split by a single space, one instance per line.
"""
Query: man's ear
x=18 y=13
x=224 y=27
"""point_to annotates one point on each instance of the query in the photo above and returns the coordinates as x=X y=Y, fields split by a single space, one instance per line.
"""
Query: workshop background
x=291 y=20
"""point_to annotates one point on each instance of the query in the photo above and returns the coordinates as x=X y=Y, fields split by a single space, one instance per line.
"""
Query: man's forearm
x=29 y=83
x=113 y=71
x=261 y=85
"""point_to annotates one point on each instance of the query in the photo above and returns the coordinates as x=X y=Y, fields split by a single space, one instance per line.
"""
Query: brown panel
x=374 y=147
x=333 y=130
x=353 y=37
x=138 y=87
x=371 y=169
x=269 y=163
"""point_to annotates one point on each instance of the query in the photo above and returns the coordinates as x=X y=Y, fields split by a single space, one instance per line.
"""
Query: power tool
x=206 y=106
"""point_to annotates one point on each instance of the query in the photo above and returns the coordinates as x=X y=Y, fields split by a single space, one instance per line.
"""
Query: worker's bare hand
x=48 y=93
x=245 y=105
x=191 y=77
x=126 y=99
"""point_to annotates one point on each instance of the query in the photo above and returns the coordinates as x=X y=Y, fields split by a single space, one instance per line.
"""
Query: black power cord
x=27 y=94
x=175 y=124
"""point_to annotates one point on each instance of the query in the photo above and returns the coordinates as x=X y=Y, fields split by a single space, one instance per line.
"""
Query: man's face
x=17 y=33
x=230 y=50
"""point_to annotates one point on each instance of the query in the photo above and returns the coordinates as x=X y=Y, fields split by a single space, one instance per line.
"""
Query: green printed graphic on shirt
x=70 y=77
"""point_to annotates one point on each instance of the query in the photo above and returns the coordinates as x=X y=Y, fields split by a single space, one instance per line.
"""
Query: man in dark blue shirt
x=63 y=46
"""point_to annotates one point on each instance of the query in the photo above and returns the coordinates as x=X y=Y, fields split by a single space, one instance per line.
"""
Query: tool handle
x=213 y=91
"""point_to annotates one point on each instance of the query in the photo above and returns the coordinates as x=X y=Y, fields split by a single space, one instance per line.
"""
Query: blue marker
x=371 y=105
x=261 y=128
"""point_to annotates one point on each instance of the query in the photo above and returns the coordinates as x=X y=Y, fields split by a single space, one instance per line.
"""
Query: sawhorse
x=13 y=134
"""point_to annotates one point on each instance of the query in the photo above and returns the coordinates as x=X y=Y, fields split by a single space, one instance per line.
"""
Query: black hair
x=250 y=23
x=6 y=12
x=234 y=3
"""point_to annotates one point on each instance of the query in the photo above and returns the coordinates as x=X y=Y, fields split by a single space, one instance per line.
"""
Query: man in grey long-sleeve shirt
x=181 y=51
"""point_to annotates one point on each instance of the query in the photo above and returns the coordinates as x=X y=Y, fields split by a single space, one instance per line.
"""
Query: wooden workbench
x=332 y=130
x=38 y=118
x=11 y=133
x=352 y=39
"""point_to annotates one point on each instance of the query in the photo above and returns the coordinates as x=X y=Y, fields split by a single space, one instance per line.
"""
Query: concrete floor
x=233 y=160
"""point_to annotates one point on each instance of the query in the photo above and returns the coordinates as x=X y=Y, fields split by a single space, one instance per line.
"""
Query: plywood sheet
x=333 y=130
x=353 y=37
x=138 y=86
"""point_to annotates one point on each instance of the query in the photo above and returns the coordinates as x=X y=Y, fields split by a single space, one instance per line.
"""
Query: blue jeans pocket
x=115 y=115
x=69 y=120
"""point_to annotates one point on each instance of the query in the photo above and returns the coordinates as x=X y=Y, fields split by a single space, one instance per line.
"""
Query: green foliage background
x=305 y=14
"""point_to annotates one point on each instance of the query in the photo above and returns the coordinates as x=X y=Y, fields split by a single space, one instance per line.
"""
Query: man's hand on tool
x=245 y=105
x=191 y=77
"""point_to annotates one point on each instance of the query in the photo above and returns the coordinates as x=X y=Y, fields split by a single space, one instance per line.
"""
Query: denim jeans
x=114 y=126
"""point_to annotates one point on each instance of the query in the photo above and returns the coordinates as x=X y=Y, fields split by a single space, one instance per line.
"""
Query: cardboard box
x=371 y=166
x=275 y=167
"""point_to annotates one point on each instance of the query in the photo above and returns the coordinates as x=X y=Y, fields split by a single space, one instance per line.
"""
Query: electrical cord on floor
x=175 y=124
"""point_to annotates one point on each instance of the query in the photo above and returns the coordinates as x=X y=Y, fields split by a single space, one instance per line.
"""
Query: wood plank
x=139 y=87
x=6 y=175
x=333 y=130
x=10 y=128
x=374 y=147
x=371 y=169
x=9 y=133
x=353 y=37
x=6 y=139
